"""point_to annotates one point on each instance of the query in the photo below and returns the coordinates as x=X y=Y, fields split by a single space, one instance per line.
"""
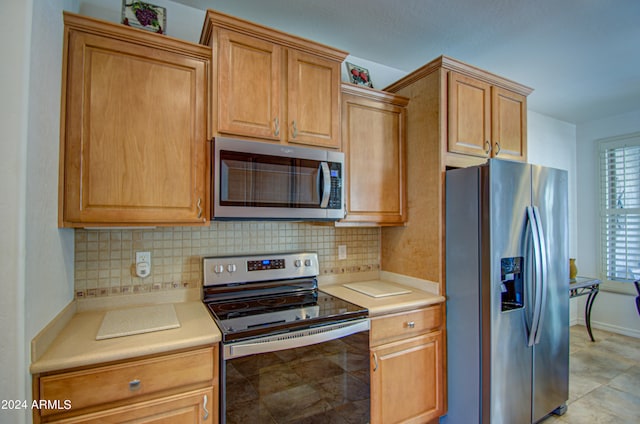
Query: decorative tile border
x=104 y=259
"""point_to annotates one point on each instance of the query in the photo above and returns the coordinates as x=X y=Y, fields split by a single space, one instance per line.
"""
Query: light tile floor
x=604 y=379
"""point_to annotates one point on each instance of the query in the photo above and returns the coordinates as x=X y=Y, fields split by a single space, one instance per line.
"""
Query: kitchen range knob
x=218 y=269
x=232 y=268
x=297 y=263
x=307 y=262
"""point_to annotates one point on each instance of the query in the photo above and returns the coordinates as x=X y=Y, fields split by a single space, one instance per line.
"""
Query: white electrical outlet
x=342 y=251
x=143 y=264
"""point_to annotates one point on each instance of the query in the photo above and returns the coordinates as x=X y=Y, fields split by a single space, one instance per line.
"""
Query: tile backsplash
x=105 y=259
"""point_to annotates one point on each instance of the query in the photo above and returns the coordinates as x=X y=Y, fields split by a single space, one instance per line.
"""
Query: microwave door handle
x=326 y=184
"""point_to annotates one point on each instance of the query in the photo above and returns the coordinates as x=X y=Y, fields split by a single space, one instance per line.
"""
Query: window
x=620 y=208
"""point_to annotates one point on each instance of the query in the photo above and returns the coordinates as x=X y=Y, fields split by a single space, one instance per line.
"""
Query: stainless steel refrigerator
x=507 y=286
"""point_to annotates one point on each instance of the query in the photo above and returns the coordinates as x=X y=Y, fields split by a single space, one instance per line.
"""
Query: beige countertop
x=417 y=298
x=75 y=344
x=69 y=341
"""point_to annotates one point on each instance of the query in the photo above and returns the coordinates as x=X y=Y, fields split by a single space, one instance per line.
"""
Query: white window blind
x=620 y=208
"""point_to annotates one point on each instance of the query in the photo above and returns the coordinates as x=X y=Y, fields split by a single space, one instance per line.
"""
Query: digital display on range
x=265 y=264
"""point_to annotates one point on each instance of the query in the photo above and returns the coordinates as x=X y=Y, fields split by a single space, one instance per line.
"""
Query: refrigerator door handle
x=529 y=298
x=544 y=274
x=537 y=262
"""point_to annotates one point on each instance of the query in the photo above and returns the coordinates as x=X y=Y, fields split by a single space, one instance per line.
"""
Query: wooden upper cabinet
x=487 y=116
x=469 y=116
x=249 y=86
x=272 y=86
x=509 y=124
x=313 y=100
x=373 y=136
x=133 y=127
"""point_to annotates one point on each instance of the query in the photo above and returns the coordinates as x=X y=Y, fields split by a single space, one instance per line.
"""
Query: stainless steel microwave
x=260 y=180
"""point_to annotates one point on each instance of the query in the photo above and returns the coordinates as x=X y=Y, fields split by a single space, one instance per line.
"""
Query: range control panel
x=241 y=269
x=265 y=264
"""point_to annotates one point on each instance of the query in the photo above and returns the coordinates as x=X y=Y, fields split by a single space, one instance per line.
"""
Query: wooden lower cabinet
x=407 y=372
x=179 y=387
x=185 y=408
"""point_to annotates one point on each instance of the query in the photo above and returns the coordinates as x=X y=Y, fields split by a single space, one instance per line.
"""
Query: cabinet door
x=407 y=382
x=134 y=133
x=509 y=124
x=196 y=407
x=249 y=86
x=374 y=144
x=313 y=100
x=469 y=116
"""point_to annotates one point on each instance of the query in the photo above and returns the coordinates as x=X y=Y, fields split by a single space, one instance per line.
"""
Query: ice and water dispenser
x=512 y=288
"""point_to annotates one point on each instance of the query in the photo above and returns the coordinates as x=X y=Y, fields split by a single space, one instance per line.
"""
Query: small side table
x=585 y=286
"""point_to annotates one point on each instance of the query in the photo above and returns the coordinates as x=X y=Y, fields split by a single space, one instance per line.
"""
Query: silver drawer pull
x=411 y=324
x=204 y=406
x=134 y=385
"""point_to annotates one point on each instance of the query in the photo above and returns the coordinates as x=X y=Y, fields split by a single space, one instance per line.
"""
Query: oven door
x=254 y=180
x=319 y=374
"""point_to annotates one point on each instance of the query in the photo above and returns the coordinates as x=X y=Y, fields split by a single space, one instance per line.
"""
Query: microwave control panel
x=335 y=199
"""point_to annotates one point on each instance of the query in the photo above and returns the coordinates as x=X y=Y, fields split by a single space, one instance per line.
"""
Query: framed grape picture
x=143 y=15
x=359 y=75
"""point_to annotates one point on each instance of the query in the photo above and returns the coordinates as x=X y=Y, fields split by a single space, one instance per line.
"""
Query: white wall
x=611 y=311
x=49 y=250
x=15 y=26
x=37 y=258
x=553 y=143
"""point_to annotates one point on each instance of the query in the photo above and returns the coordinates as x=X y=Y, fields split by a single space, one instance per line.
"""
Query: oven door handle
x=294 y=339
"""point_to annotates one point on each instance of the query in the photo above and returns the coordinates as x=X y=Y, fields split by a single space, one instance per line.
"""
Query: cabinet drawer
x=405 y=324
x=132 y=379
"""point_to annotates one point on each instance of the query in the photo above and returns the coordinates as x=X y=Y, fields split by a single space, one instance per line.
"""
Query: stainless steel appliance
x=259 y=180
x=289 y=352
x=507 y=293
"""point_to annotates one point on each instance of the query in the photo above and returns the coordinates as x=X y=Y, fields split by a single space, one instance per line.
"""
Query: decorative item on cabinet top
x=358 y=75
x=143 y=15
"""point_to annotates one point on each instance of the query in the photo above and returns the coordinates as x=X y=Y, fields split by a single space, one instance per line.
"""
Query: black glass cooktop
x=241 y=319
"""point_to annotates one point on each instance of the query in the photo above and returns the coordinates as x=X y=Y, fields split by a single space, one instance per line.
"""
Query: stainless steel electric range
x=290 y=352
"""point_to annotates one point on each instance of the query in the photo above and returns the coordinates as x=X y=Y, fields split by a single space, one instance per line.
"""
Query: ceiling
x=581 y=57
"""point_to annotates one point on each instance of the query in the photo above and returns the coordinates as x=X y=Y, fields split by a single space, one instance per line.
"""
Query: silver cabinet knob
x=411 y=324
x=134 y=385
